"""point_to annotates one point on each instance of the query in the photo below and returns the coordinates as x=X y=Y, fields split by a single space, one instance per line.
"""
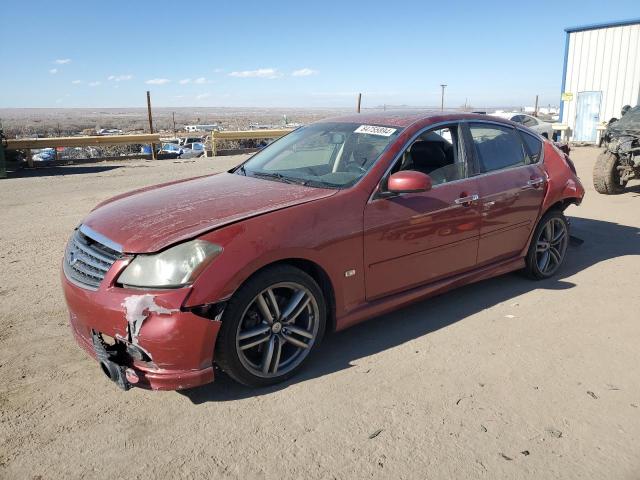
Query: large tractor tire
x=606 y=178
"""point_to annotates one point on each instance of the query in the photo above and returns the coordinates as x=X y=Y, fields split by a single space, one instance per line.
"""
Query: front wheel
x=548 y=246
x=271 y=326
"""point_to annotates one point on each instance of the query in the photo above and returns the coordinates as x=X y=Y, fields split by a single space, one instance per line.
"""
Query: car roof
x=508 y=115
x=405 y=118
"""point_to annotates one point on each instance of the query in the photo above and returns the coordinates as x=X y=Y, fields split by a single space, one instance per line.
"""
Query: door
x=417 y=238
x=587 y=116
x=511 y=183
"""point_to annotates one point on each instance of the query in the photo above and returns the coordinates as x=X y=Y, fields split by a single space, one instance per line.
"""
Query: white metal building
x=601 y=74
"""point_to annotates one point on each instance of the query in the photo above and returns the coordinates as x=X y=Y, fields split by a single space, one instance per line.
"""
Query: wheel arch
x=316 y=272
x=561 y=205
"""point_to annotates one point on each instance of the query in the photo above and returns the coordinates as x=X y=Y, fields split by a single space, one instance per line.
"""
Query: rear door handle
x=467 y=200
x=534 y=182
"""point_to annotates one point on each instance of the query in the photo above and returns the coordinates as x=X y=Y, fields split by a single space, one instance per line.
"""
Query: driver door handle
x=467 y=200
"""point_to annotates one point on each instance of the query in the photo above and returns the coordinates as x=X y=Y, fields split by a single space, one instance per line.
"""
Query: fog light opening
x=132 y=376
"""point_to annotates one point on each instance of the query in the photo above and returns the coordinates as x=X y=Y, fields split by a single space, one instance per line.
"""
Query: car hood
x=152 y=218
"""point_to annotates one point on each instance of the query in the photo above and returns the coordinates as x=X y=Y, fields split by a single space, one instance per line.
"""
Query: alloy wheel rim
x=551 y=246
x=277 y=329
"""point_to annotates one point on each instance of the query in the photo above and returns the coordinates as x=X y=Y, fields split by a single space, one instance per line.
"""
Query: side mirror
x=409 y=181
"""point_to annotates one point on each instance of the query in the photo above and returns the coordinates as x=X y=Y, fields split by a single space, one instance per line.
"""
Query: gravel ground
x=507 y=378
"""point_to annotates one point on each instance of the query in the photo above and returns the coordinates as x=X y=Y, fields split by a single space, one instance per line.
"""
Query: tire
x=548 y=247
x=260 y=344
x=606 y=179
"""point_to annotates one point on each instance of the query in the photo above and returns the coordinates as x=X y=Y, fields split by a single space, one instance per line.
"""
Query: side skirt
x=392 y=302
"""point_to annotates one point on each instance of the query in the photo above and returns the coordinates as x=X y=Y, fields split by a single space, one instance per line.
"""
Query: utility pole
x=173 y=117
x=358 y=104
x=3 y=166
x=443 y=85
x=535 y=109
x=153 y=147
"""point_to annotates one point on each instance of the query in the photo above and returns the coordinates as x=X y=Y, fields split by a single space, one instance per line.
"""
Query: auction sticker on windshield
x=373 y=130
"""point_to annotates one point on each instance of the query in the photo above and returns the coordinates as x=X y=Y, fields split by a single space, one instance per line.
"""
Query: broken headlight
x=175 y=267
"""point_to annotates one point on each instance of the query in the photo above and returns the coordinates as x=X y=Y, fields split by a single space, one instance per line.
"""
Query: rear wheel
x=271 y=326
x=548 y=246
x=606 y=178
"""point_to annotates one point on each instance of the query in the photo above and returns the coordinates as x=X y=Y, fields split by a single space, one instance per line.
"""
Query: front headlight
x=175 y=267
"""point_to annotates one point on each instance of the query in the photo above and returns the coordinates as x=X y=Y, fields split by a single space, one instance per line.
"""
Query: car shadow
x=338 y=351
x=633 y=189
x=57 y=171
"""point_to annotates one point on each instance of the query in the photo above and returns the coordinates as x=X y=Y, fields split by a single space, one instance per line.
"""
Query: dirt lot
x=504 y=379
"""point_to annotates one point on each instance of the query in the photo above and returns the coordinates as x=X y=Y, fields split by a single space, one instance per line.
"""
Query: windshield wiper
x=242 y=169
x=279 y=177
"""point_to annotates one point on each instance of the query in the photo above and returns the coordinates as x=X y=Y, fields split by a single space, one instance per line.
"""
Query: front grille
x=86 y=260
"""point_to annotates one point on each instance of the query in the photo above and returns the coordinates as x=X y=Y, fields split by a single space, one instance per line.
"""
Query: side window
x=497 y=147
x=517 y=118
x=529 y=121
x=436 y=153
x=534 y=146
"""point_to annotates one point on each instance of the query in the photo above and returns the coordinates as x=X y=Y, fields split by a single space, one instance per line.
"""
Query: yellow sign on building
x=567 y=96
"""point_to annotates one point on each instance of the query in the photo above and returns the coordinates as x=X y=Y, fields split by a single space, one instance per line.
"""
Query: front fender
x=327 y=233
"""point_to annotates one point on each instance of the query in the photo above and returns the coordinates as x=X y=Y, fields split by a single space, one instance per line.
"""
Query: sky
x=288 y=53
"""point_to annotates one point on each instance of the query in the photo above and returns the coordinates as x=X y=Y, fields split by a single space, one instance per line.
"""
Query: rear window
x=534 y=146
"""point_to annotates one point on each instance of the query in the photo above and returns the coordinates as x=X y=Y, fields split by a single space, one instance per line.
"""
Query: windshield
x=334 y=155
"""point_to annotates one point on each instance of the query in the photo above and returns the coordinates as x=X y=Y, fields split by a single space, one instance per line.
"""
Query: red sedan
x=336 y=222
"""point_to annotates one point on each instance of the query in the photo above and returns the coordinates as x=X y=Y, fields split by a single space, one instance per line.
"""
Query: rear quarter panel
x=562 y=183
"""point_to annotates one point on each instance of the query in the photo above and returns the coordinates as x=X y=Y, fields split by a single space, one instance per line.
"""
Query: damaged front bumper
x=144 y=339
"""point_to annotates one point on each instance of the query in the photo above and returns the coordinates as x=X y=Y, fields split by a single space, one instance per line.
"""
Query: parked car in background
x=183 y=151
x=334 y=223
x=186 y=140
x=197 y=147
x=168 y=151
x=44 y=155
x=192 y=150
x=543 y=128
x=163 y=152
x=170 y=148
